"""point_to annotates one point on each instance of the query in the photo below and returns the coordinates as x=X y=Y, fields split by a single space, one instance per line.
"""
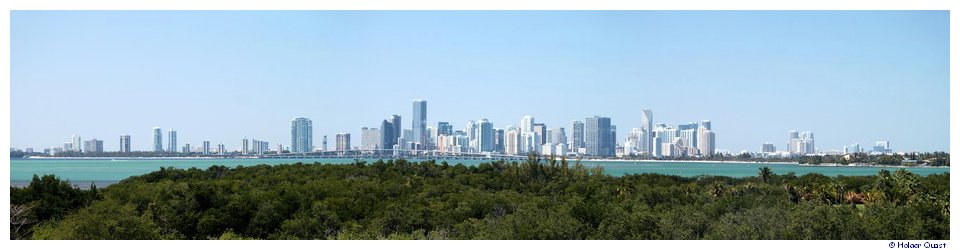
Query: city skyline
x=856 y=81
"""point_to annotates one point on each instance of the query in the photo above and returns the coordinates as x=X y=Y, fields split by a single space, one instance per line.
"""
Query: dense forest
x=535 y=199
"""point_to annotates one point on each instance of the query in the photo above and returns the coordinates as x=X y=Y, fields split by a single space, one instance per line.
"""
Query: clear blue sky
x=848 y=76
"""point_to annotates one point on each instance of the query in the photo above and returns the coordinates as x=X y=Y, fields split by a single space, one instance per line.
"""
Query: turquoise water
x=105 y=172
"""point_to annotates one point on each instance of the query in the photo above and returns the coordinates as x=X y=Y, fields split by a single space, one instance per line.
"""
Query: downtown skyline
x=755 y=75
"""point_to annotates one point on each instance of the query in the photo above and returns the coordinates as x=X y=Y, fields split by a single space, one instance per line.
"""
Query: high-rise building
x=632 y=145
x=324 y=149
x=343 y=141
x=768 y=148
x=93 y=146
x=485 y=136
x=557 y=136
x=172 y=141
x=390 y=131
x=419 y=136
x=125 y=143
x=186 y=148
x=801 y=143
x=882 y=147
x=245 y=149
x=541 y=130
x=646 y=124
x=206 y=147
x=511 y=143
x=706 y=141
x=577 y=135
x=599 y=137
x=498 y=138
x=157 y=140
x=77 y=146
x=221 y=149
x=526 y=124
x=370 y=139
x=301 y=135
x=444 y=128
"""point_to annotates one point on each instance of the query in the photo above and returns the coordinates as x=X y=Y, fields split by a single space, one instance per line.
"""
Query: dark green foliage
x=536 y=199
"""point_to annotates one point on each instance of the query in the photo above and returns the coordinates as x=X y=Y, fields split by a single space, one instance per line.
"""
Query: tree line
x=534 y=199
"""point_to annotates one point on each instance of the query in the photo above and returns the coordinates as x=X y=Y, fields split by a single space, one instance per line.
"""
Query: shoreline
x=128 y=158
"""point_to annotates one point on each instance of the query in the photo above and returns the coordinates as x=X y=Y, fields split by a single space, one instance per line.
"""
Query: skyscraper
x=578 y=136
x=598 y=137
x=125 y=143
x=526 y=124
x=172 y=141
x=511 y=143
x=206 y=147
x=768 y=148
x=541 y=130
x=419 y=137
x=485 y=136
x=93 y=146
x=646 y=123
x=370 y=139
x=245 y=149
x=76 y=143
x=444 y=128
x=157 y=140
x=706 y=141
x=390 y=129
x=324 y=149
x=343 y=141
x=301 y=135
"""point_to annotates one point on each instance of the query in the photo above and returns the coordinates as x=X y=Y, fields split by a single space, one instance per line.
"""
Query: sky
x=847 y=76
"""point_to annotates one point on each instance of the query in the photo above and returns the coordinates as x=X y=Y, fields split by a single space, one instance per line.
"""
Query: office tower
x=343 y=141
x=221 y=149
x=526 y=124
x=801 y=143
x=172 y=141
x=370 y=139
x=557 y=136
x=125 y=143
x=324 y=149
x=461 y=142
x=77 y=146
x=768 y=148
x=245 y=149
x=882 y=147
x=498 y=140
x=598 y=137
x=484 y=136
x=646 y=124
x=254 y=146
x=577 y=136
x=419 y=137
x=206 y=147
x=186 y=148
x=408 y=138
x=529 y=142
x=541 y=130
x=93 y=146
x=157 y=140
x=390 y=131
x=444 y=128
x=511 y=143
x=631 y=145
x=663 y=135
x=262 y=147
x=706 y=141
x=301 y=135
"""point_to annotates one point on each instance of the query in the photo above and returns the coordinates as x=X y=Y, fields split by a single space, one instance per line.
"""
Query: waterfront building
x=206 y=147
x=343 y=141
x=461 y=142
x=529 y=142
x=93 y=146
x=186 y=148
x=324 y=144
x=526 y=124
x=221 y=149
x=511 y=143
x=541 y=130
x=646 y=124
x=706 y=141
x=444 y=128
x=157 y=140
x=577 y=136
x=484 y=136
x=801 y=143
x=245 y=148
x=76 y=144
x=498 y=138
x=419 y=129
x=125 y=143
x=599 y=137
x=301 y=135
x=390 y=131
x=768 y=148
x=882 y=147
x=370 y=139
x=172 y=141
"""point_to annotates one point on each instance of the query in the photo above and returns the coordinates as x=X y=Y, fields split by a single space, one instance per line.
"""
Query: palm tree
x=765 y=174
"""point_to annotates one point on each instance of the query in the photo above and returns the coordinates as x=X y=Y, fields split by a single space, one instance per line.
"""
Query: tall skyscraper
x=324 y=143
x=172 y=141
x=882 y=147
x=343 y=141
x=390 y=129
x=511 y=143
x=301 y=135
x=541 y=130
x=444 y=128
x=577 y=136
x=221 y=149
x=526 y=124
x=206 y=147
x=125 y=143
x=706 y=141
x=646 y=123
x=485 y=136
x=245 y=149
x=157 y=140
x=77 y=146
x=598 y=137
x=498 y=140
x=801 y=144
x=419 y=137
x=768 y=148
